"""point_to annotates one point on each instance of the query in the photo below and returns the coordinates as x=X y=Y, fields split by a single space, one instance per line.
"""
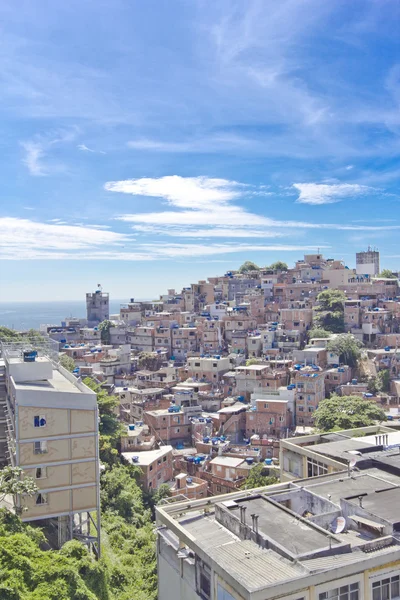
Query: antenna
x=338 y=525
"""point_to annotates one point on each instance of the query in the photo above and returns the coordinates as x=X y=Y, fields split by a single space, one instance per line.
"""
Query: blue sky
x=146 y=145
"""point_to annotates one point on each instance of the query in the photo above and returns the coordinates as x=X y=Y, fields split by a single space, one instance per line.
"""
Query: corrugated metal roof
x=253 y=567
x=340 y=560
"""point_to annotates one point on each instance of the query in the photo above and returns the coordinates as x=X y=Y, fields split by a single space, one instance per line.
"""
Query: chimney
x=360 y=500
x=376 y=440
x=243 y=514
x=254 y=519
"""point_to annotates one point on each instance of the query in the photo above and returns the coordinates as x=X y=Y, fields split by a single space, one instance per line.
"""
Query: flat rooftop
x=295 y=535
x=58 y=383
x=147 y=457
x=348 y=487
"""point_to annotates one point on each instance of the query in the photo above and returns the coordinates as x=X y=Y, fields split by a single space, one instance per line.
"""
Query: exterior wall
x=97 y=307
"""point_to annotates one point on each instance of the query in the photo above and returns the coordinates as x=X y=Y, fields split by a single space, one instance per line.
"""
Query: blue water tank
x=268 y=461
x=131 y=428
x=249 y=460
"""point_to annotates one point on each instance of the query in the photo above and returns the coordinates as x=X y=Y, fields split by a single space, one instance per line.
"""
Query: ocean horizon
x=30 y=315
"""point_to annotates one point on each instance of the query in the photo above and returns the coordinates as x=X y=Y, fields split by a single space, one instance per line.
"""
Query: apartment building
x=331 y=537
x=190 y=487
x=209 y=368
x=156 y=466
x=52 y=434
x=326 y=453
x=184 y=340
x=272 y=413
x=310 y=386
x=142 y=338
x=258 y=378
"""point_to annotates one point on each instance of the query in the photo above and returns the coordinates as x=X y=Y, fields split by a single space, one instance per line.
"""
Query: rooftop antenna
x=100 y=287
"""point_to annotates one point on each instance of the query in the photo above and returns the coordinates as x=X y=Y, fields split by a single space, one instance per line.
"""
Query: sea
x=30 y=315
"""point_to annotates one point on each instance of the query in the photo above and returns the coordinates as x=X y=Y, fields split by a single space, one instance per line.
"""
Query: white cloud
x=85 y=148
x=218 y=232
x=182 y=192
x=323 y=193
x=36 y=151
x=34 y=156
x=23 y=236
x=184 y=250
x=210 y=204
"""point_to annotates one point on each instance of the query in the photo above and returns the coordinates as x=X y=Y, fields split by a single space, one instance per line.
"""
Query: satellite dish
x=338 y=525
x=352 y=463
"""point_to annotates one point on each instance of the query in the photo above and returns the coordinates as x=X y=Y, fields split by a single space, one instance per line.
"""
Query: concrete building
x=209 y=368
x=156 y=466
x=97 y=307
x=332 y=537
x=310 y=386
x=367 y=263
x=326 y=453
x=190 y=487
x=52 y=434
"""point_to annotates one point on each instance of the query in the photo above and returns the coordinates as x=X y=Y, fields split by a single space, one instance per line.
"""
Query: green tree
x=347 y=347
x=258 y=477
x=13 y=483
x=104 y=328
x=67 y=362
x=318 y=332
x=329 y=313
x=110 y=428
x=278 y=266
x=387 y=274
x=9 y=335
x=380 y=383
x=253 y=361
x=248 y=266
x=347 y=412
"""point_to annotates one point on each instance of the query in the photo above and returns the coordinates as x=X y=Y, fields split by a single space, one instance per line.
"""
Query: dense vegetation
x=387 y=274
x=127 y=568
x=258 y=477
x=10 y=335
x=67 y=362
x=347 y=412
x=347 y=347
x=329 y=313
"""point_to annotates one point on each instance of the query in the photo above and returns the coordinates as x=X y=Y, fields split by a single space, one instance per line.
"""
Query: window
x=164 y=459
x=386 y=589
x=203 y=579
x=344 y=592
x=158 y=475
x=197 y=364
x=265 y=405
x=41 y=473
x=281 y=419
x=39 y=421
x=314 y=468
x=39 y=447
x=151 y=468
x=41 y=499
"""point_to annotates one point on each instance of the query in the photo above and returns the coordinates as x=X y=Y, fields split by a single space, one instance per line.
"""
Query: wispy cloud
x=24 y=235
x=37 y=149
x=217 y=232
x=323 y=193
x=85 y=148
x=213 y=203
